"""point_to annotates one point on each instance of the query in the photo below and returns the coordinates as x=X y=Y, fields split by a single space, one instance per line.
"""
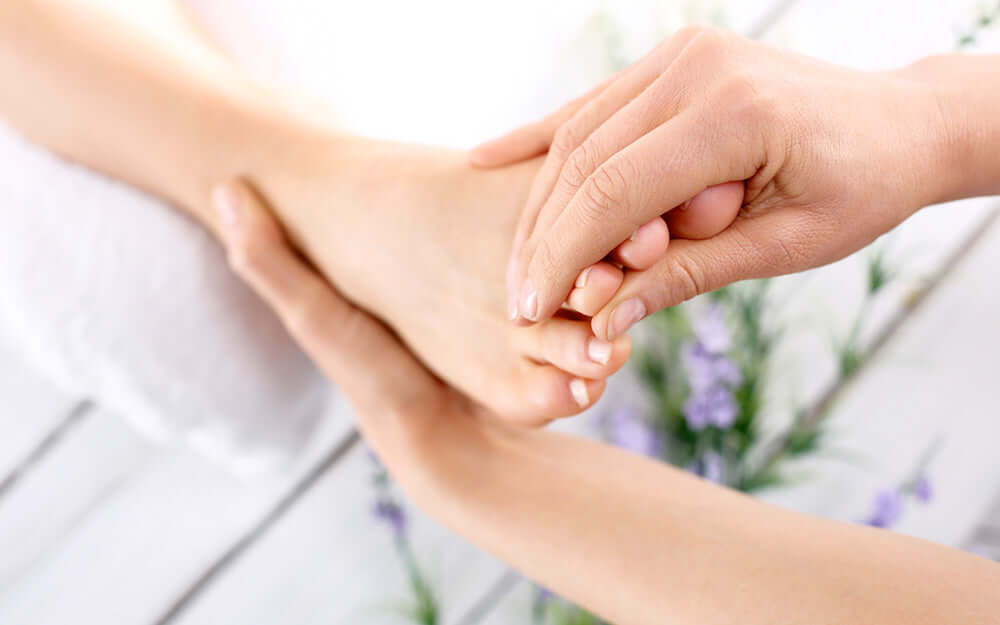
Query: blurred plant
x=423 y=605
x=889 y=504
x=988 y=14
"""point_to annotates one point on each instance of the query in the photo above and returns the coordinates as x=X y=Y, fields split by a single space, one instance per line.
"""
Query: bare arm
x=633 y=540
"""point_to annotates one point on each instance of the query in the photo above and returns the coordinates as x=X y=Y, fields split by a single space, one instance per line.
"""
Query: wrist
x=961 y=98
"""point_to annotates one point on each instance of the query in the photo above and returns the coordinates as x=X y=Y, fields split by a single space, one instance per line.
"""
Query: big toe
x=708 y=213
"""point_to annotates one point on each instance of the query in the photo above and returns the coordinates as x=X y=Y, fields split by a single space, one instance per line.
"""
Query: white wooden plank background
x=119 y=531
x=30 y=407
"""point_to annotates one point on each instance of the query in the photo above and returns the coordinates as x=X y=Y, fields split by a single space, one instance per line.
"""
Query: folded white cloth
x=122 y=299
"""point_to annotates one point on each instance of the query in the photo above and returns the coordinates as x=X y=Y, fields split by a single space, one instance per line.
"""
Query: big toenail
x=578 y=388
x=599 y=351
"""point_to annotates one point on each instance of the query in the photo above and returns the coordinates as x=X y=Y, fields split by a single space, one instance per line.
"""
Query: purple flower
x=710 y=466
x=887 y=509
x=923 y=491
x=705 y=369
x=711 y=331
x=544 y=595
x=628 y=430
x=711 y=374
x=393 y=514
x=714 y=406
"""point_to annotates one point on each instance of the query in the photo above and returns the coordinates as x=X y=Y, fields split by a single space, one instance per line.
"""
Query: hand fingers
x=758 y=247
x=659 y=170
x=530 y=140
x=703 y=216
x=566 y=144
x=359 y=354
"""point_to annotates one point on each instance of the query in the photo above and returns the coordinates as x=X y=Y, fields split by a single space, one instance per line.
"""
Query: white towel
x=122 y=299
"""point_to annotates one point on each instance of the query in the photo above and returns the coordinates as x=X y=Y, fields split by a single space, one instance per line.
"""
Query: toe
x=572 y=347
x=708 y=213
x=646 y=245
x=594 y=288
x=550 y=393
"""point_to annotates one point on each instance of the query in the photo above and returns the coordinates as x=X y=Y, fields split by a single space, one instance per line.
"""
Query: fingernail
x=599 y=351
x=578 y=388
x=634 y=235
x=626 y=315
x=228 y=204
x=686 y=204
x=529 y=301
x=581 y=280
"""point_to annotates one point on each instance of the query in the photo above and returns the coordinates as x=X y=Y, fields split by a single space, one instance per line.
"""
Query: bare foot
x=421 y=239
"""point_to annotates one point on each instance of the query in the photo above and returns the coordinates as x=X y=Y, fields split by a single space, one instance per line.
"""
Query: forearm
x=169 y=120
x=641 y=543
x=966 y=90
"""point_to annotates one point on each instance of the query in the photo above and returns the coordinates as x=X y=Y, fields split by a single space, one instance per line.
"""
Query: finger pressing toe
x=647 y=245
x=572 y=347
x=708 y=213
x=594 y=287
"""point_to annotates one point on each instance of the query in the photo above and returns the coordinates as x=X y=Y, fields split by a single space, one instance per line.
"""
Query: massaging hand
x=831 y=158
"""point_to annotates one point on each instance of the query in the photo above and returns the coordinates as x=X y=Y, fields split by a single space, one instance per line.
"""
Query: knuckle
x=604 y=192
x=684 y=279
x=709 y=41
x=544 y=263
x=689 y=32
x=565 y=141
x=748 y=104
x=578 y=166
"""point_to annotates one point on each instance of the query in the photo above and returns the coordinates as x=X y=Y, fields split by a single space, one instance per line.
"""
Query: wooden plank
x=985 y=539
x=30 y=408
x=330 y=561
x=63 y=488
x=121 y=530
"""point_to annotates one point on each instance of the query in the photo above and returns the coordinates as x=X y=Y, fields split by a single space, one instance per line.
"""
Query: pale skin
x=631 y=539
x=831 y=158
x=413 y=234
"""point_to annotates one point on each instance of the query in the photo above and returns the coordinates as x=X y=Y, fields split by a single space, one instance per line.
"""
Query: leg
x=394 y=224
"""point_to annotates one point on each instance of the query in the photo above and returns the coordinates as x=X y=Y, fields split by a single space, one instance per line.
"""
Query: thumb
x=355 y=351
x=758 y=247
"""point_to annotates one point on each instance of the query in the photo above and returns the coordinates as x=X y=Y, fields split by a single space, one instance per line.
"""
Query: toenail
x=581 y=280
x=578 y=388
x=529 y=301
x=599 y=351
x=626 y=315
